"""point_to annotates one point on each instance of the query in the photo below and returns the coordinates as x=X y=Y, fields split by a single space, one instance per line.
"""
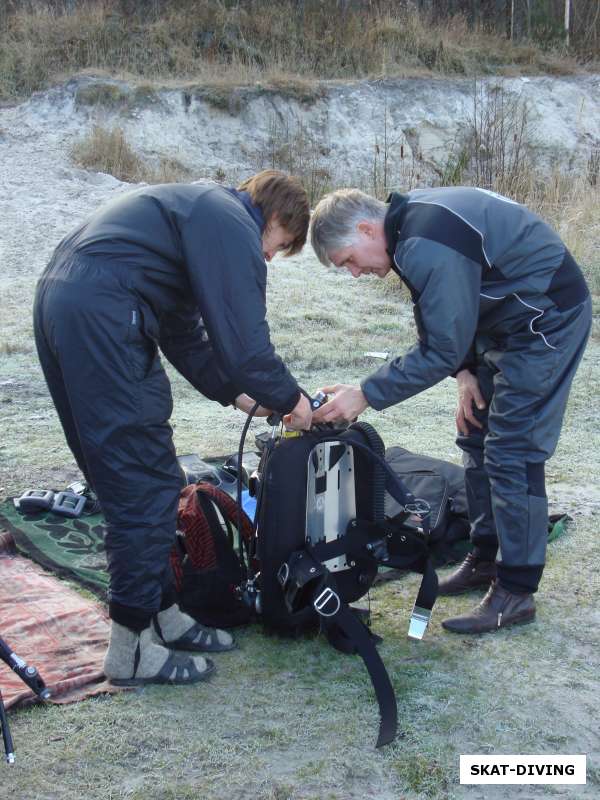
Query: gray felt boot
x=134 y=659
x=178 y=631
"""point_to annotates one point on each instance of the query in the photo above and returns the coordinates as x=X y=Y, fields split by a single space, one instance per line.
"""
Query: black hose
x=251 y=413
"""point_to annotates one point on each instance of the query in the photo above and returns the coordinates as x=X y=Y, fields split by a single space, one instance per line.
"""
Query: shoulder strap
x=228 y=508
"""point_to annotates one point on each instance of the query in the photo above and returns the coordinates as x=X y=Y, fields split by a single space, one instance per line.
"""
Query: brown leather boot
x=498 y=609
x=473 y=573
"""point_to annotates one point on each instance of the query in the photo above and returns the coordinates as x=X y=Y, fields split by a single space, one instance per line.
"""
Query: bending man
x=180 y=269
x=500 y=303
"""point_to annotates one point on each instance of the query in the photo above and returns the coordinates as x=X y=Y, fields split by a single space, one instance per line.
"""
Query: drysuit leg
x=56 y=386
x=120 y=402
x=532 y=376
x=479 y=501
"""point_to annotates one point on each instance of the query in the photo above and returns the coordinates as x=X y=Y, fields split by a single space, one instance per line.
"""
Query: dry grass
x=255 y=41
x=107 y=150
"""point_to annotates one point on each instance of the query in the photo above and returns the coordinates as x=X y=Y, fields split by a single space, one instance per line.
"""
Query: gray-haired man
x=500 y=304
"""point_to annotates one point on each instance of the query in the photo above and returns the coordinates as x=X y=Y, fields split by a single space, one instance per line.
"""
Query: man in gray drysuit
x=499 y=303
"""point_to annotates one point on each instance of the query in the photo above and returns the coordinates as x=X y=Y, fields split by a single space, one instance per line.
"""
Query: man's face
x=368 y=255
x=275 y=239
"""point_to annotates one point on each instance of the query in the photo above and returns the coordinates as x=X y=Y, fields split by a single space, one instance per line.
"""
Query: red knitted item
x=199 y=544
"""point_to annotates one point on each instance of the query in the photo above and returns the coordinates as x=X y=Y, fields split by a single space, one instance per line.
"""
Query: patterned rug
x=53 y=628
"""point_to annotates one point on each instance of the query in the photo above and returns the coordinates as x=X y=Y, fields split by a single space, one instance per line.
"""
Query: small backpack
x=207 y=568
x=442 y=485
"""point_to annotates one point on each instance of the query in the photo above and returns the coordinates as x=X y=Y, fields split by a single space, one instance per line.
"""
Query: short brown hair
x=283 y=196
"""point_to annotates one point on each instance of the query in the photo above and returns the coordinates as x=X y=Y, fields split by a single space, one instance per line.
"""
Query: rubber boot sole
x=165 y=680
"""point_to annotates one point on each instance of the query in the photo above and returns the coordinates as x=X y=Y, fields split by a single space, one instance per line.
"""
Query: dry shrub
x=292 y=147
x=107 y=150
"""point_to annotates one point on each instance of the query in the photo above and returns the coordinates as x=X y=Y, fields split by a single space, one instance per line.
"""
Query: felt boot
x=134 y=659
x=179 y=631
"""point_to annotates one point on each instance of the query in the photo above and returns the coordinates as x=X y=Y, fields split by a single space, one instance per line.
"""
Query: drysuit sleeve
x=185 y=343
x=228 y=276
x=445 y=287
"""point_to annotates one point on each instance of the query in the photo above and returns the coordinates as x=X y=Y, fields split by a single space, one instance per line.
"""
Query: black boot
x=473 y=573
x=498 y=609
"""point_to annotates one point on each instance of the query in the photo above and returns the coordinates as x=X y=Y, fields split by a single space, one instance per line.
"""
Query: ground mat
x=52 y=627
x=70 y=548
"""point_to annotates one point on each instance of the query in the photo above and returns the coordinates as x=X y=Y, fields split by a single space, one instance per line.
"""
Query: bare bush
x=292 y=147
x=107 y=150
x=593 y=166
x=497 y=149
x=394 y=162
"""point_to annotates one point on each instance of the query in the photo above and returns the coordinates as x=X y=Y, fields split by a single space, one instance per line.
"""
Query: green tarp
x=71 y=548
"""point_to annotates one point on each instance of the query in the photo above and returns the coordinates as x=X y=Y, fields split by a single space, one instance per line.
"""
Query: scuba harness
x=320 y=536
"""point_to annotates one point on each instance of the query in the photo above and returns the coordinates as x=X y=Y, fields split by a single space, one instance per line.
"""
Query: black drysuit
x=496 y=291
x=175 y=268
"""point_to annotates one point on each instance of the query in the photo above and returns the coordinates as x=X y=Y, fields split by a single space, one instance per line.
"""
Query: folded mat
x=53 y=628
x=70 y=548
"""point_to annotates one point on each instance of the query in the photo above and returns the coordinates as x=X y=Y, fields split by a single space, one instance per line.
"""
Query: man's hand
x=301 y=417
x=246 y=403
x=468 y=394
x=347 y=404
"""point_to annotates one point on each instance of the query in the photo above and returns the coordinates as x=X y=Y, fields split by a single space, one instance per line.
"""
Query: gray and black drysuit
x=496 y=291
x=175 y=268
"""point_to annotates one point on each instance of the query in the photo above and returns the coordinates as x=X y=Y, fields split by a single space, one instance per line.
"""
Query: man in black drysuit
x=180 y=269
x=500 y=303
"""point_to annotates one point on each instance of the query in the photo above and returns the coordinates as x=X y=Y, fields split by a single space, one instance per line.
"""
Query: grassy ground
x=297 y=720
x=288 y=720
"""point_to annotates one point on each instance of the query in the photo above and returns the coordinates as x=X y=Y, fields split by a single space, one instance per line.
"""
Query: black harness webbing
x=361 y=534
x=304 y=578
x=393 y=484
x=334 y=612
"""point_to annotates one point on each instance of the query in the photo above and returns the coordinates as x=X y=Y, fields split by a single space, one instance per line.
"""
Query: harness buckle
x=321 y=601
x=283 y=573
x=419 y=619
x=419 y=507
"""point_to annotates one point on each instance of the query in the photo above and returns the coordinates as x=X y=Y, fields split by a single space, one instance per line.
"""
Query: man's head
x=285 y=208
x=347 y=230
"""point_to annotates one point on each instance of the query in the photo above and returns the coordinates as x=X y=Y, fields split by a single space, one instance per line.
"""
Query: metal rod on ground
x=8 y=742
x=31 y=677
